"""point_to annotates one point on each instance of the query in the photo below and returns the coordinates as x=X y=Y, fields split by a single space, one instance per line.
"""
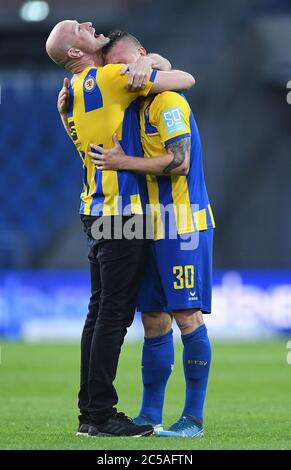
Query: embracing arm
x=140 y=71
x=180 y=151
x=159 y=62
x=174 y=80
x=165 y=79
x=175 y=162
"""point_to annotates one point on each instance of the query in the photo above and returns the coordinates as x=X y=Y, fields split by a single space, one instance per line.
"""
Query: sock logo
x=195 y=362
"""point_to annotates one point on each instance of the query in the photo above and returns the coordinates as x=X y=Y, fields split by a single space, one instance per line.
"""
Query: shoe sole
x=198 y=435
x=80 y=434
x=103 y=434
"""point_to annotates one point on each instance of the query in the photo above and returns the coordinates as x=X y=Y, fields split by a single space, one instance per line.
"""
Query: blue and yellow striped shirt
x=164 y=119
x=100 y=105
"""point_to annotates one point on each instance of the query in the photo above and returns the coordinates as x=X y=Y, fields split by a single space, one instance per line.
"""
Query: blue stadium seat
x=40 y=176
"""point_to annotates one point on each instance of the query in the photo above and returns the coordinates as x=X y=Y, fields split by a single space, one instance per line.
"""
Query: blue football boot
x=142 y=420
x=186 y=426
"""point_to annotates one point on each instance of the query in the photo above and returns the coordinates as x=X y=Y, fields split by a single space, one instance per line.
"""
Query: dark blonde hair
x=116 y=36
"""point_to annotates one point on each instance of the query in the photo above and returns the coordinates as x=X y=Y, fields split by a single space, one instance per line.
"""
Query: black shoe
x=119 y=425
x=83 y=430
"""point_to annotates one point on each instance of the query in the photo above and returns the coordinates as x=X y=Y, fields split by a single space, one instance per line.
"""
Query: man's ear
x=142 y=51
x=75 y=53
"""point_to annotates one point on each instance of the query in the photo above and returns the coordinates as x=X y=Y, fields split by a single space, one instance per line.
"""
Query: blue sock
x=157 y=365
x=196 y=359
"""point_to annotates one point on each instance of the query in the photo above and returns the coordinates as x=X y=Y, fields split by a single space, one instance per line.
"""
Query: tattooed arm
x=175 y=162
x=181 y=157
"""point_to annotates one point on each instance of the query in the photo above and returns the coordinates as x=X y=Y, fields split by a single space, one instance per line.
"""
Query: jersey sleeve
x=118 y=83
x=170 y=114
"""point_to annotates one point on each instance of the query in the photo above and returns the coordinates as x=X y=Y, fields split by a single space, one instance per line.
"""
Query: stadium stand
x=240 y=97
x=39 y=177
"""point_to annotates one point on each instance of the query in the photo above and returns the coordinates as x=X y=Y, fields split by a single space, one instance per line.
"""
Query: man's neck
x=77 y=67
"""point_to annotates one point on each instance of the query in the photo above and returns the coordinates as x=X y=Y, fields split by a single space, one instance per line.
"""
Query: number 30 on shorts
x=184 y=277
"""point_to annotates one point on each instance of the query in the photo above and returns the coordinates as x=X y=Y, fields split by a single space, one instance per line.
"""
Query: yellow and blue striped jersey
x=99 y=106
x=166 y=118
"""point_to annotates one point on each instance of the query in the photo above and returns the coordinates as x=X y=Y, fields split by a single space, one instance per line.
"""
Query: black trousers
x=116 y=268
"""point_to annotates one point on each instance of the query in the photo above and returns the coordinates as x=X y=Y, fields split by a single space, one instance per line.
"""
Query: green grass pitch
x=248 y=403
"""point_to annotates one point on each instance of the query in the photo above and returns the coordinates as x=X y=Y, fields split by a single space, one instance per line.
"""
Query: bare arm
x=159 y=62
x=181 y=157
x=174 y=80
x=175 y=162
x=140 y=71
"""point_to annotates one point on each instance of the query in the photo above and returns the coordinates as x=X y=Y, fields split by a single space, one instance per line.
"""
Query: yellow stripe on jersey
x=200 y=219
x=182 y=205
x=136 y=204
x=211 y=216
x=83 y=195
x=157 y=222
x=111 y=192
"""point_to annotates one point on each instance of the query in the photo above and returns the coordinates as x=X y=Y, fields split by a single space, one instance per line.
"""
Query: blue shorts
x=177 y=279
